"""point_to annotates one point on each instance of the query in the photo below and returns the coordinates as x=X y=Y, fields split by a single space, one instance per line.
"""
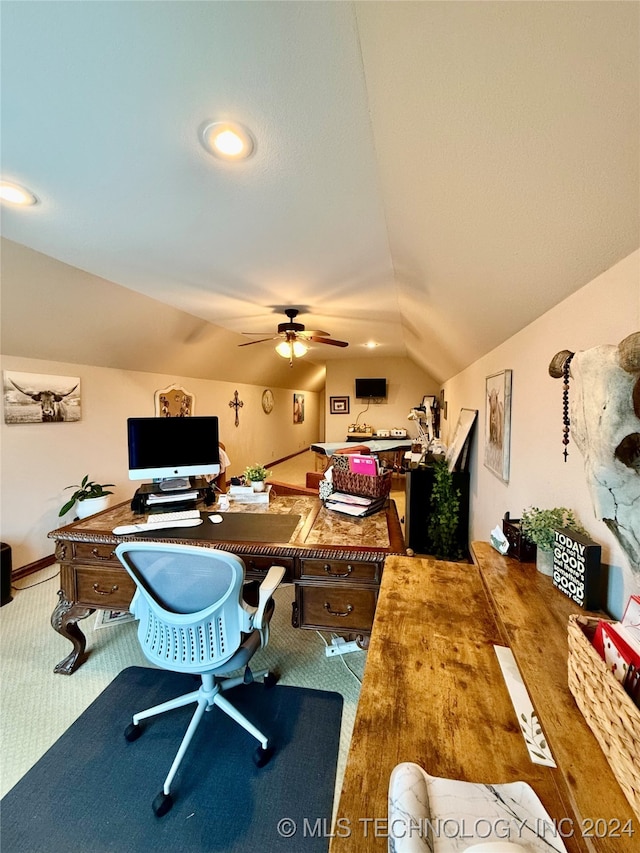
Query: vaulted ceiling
x=430 y=176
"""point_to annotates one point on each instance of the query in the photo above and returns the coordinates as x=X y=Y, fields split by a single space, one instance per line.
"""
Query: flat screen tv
x=168 y=448
x=368 y=388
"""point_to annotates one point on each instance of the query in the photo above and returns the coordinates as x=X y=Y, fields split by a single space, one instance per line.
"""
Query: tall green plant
x=445 y=514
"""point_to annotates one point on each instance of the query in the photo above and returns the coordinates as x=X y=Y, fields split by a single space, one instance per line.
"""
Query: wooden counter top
x=433 y=693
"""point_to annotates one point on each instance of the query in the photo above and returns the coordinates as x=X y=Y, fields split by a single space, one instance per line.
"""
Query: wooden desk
x=334 y=561
x=433 y=693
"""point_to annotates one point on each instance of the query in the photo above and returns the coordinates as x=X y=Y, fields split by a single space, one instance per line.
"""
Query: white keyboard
x=151 y=526
x=164 y=517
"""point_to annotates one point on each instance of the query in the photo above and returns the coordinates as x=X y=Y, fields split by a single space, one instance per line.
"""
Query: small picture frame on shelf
x=339 y=405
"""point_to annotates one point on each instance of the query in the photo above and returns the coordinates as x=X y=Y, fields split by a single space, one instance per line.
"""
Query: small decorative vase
x=90 y=506
x=544 y=560
x=257 y=485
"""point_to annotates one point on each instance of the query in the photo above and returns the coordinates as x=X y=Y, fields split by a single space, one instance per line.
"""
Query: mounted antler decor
x=605 y=425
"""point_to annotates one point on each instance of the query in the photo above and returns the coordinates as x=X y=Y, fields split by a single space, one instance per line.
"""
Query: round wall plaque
x=267 y=401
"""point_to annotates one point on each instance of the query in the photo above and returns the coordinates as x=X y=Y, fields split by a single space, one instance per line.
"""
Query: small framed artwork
x=39 y=398
x=174 y=402
x=457 y=456
x=298 y=408
x=497 y=424
x=339 y=405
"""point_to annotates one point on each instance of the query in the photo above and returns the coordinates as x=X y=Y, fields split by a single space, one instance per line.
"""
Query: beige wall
x=406 y=386
x=603 y=312
x=39 y=460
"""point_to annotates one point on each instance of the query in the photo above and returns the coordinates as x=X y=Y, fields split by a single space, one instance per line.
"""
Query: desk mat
x=238 y=527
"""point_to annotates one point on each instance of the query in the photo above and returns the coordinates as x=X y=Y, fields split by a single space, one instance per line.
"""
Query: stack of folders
x=354 y=505
x=360 y=464
x=156 y=499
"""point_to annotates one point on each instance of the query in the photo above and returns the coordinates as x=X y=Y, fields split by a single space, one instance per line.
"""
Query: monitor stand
x=174 y=484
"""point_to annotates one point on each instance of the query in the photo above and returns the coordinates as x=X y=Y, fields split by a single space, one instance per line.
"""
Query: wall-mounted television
x=167 y=448
x=371 y=388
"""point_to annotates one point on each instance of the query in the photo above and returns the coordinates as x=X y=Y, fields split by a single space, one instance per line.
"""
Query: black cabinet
x=418 y=488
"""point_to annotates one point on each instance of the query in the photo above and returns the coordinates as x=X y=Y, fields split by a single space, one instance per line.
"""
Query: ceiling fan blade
x=255 y=333
x=306 y=333
x=328 y=341
x=261 y=341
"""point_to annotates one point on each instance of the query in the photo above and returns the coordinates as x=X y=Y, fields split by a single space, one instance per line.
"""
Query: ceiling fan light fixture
x=227 y=140
x=16 y=194
x=291 y=349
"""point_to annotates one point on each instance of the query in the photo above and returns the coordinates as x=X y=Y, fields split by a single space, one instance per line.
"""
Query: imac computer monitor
x=172 y=449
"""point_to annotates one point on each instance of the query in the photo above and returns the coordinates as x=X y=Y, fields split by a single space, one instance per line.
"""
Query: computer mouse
x=215 y=518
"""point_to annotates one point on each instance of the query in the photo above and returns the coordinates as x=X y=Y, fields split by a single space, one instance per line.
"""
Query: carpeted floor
x=37 y=706
x=92 y=791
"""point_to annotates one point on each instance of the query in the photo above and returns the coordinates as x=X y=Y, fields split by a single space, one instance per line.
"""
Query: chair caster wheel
x=162 y=804
x=271 y=679
x=262 y=756
x=132 y=732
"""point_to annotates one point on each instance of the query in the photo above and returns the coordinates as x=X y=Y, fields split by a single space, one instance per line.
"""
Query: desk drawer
x=335 y=570
x=91 y=553
x=107 y=589
x=261 y=565
x=336 y=608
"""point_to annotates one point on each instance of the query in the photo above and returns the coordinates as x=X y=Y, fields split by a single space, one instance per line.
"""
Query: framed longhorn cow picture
x=40 y=398
x=497 y=424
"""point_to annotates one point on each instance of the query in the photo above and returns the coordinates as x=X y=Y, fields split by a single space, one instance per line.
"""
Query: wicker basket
x=609 y=711
x=362 y=484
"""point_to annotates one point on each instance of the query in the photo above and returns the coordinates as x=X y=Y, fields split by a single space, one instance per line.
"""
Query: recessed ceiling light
x=15 y=194
x=371 y=345
x=227 y=140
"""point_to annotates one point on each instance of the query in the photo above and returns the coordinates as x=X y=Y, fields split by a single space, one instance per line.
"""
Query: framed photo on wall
x=339 y=405
x=41 y=398
x=298 y=408
x=497 y=424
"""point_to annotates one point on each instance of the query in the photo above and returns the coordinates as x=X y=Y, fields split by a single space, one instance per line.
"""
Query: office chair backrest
x=188 y=601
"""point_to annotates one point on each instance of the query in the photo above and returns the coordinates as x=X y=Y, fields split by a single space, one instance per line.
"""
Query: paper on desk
x=530 y=727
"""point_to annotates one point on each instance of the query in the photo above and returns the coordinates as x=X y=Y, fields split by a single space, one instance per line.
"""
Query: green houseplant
x=88 y=490
x=256 y=475
x=539 y=526
x=444 y=517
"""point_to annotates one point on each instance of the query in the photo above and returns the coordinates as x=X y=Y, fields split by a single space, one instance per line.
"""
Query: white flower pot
x=258 y=485
x=544 y=561
x=90 y=506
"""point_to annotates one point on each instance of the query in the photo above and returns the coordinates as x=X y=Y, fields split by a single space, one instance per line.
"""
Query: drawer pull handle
x=96 y=588
x=98 y=556
x=327 y=607
x=327 y=568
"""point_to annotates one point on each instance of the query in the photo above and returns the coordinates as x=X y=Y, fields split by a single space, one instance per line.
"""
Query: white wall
x=39 y=460
x=407 y=384
x=603 y=312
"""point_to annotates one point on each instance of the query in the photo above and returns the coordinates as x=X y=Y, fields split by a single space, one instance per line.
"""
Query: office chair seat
x=192 y=618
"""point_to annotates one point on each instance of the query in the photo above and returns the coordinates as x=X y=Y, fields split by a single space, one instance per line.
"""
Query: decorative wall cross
x=236 y=404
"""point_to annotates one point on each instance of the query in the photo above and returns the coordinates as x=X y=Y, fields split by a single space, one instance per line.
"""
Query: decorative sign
x=576 y=568
x=174 y=402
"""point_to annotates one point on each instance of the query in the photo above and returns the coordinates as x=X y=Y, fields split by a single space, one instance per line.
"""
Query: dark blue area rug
x=92 y=791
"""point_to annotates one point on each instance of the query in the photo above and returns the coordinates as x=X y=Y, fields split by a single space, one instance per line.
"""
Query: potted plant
x=256 y=475
x=444 y=517
x=539 y=526
x=90 y=497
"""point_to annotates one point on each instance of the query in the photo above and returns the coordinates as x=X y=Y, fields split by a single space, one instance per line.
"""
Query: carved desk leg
x=64 y=620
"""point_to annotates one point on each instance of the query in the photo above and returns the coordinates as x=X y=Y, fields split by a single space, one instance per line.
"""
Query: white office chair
x=193 y=619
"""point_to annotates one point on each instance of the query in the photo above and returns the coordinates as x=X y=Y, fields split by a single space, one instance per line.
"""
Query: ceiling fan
x=294 y=338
